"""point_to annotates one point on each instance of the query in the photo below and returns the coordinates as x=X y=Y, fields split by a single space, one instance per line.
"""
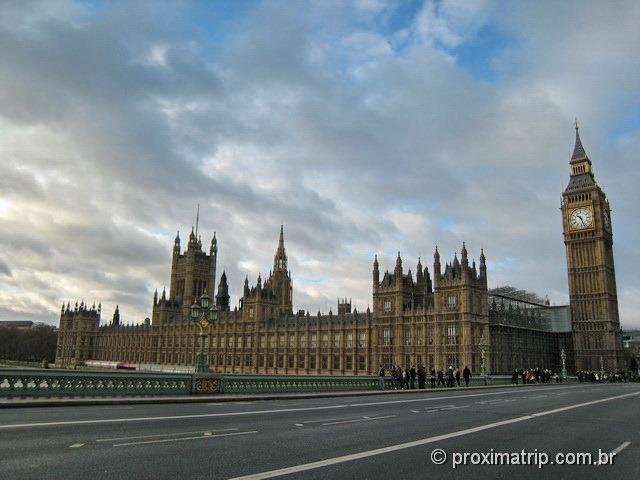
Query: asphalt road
x=377 y=437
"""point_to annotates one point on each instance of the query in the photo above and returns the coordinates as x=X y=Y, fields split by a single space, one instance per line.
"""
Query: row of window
x=450 y=339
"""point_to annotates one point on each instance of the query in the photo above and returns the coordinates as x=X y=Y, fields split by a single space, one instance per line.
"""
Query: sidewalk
x=84 y=401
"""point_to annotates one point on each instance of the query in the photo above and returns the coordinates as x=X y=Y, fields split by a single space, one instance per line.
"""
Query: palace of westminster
x=444 y=317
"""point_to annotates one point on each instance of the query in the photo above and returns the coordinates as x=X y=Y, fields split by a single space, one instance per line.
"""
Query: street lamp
x=563 y=357
x=601 y=368
x=203 y=314
x=483 y=347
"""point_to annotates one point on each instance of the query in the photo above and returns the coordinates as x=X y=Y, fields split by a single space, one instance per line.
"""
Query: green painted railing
x=60 y=383
x=291 y=383
x=74 y=383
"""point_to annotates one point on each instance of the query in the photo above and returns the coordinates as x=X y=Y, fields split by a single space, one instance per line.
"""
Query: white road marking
x=495 y=401
x=258 y=412
x=445 y=408
x=508 y=392
x=614 y=452
x=620 y=447
x=332 y=419
x=76 y=445
x=417 y=443
x=363 y=419
x=160 y=435
x=199 y=437
x=298 y=425
x=415 y=411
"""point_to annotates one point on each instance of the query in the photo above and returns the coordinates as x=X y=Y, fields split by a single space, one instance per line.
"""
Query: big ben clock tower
x=586 y=221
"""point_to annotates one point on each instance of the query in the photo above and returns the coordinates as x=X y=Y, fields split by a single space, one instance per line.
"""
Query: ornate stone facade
x=588 y=237
x=434 y=322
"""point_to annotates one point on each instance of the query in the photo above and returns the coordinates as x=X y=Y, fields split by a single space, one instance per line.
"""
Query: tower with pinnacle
x=588 y=238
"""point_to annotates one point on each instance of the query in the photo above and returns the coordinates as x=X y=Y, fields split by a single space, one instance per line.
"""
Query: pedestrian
x=432 y=377
x=458 y=376
x=381 y=377
x=466 y=374
x=441 y=378
x=422 y=376
x=412 y=375
x=514 y=376
x=450 y=377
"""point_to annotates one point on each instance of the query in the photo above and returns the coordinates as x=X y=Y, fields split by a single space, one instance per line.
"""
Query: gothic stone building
x=414 y=321
x=435 y=321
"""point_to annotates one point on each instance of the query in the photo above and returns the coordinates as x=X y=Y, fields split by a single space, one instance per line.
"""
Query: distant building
x=19 y=324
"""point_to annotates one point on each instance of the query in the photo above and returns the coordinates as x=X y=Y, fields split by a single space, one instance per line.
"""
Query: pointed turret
x=214 y=245
x=578 y=150
x=463 y=254
x=483 y=264
x=213 y=260
x=222 y=298
x=580 y=165
x=419 y=272
x=280 y=258
x=376 y=274
x=176 y=244
x=116 y=316
x=246 y=286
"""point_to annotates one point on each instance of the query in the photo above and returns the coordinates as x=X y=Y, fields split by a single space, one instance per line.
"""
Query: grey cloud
x=4 y=268
x=355 y=151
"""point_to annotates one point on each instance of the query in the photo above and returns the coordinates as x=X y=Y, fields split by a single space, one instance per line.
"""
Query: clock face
x=581 y=218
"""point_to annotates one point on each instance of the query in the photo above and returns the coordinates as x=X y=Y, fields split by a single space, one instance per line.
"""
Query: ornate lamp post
x=563 y=357
x=601 y=367
x=202 y=314
x=483 y=347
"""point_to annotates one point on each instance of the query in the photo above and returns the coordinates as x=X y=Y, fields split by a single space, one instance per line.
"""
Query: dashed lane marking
x=161 y=435
x=363 y=419
x=76 y=445
x=181 y=439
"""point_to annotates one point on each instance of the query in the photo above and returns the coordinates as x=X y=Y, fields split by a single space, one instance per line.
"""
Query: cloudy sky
x=365 y=127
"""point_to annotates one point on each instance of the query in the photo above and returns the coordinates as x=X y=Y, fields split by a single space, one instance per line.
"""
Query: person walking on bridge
x=381 y=377
x=466 y=374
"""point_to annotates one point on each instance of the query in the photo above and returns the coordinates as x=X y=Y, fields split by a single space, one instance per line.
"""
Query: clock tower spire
x=588 y=239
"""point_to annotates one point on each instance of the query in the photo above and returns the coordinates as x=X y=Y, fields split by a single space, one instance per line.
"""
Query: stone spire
x=578 y=149
x=376 y=274
x=222 y=298
x=280 y=258
x=176 y=244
